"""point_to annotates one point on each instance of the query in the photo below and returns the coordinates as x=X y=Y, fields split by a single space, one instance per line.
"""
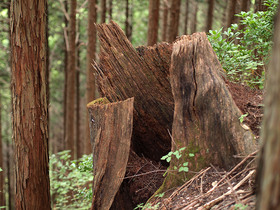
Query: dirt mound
x=249 y=101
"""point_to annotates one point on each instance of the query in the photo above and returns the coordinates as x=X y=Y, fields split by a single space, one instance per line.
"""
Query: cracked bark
x=206 y=119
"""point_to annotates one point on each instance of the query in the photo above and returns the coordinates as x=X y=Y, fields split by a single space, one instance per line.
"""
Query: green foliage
x=240 y=206
x=177 y=154
x=71 y=181
x=244 y=49
x=241 y=118
x=147 y=206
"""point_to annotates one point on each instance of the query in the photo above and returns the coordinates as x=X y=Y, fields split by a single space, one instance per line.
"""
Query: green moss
x=98 y=101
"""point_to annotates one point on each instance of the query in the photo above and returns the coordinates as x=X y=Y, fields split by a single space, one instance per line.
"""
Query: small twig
x=64 y=10
x=143 y=174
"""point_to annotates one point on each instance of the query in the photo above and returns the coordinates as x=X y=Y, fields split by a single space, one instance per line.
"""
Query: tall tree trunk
x=111 y=10
x=91 y=49
x=71 y=76
x=103 y=11
x=79 y=143
x=269 y=169
x=10 y=177
x=173 y=25
x=153 y=22
x=186 y=17
x=231 y=12
x=164 y=20
x=194 y=24
x=209 y=19
x=128 y=27
x=66 y=49
x=2 y=179
x=30 y=125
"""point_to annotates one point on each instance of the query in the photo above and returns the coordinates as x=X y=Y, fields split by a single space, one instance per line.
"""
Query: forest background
x=228 y=37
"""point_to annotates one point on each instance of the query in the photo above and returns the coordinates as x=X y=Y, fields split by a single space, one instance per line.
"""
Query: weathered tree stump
x=206 y=119
x=144 y=75
x=110 y=130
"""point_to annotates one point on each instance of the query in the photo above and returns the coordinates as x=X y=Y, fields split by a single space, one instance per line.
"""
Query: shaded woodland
x=125 y=104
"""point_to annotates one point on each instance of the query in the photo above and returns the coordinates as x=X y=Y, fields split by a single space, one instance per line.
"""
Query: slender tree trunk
x=231 y=12
x=65 y=75
x=153 y=22
x=173 y=26
x=194 y=24
x=91 y=49
x=209 y=19
x=103 y=11
x=2 y=178
x=111 y=9
x=79 y=143
x=30 y=123
x=164 y=20
x=9 y=175
x=186 y=17
x=71 y=76
x=224 y=18
x=128 y=27
x=268 y=196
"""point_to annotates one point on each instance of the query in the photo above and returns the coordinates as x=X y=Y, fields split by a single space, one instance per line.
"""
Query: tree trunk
x=30 y=128
x=79 y=143
x=91 y=49
x=111 y=129
x=153 y=22
x=209 y=19
x=128 y=23
x=164 y=20
x=186 y=17
x=103 y=11
x=268 y=196
x=2 y=178
x=111 y=10
x=194 y=24
x=71 y=76
x=206 y=119
x=124 y=73
x=231 y=12
x=174 y=17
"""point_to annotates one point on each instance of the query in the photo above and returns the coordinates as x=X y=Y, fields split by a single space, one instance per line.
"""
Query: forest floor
x=211 y=188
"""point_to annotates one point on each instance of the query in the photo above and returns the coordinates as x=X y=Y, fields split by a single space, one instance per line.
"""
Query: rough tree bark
x=71 y=77
x=111 y=130
x=124 y=73
x=174 y=17
x=206 y=119
x=209 y=19
x=164 y=21
x=128 y=22
x=30 y=128
x=153 y=22
x=91 y=49
x=268 y=196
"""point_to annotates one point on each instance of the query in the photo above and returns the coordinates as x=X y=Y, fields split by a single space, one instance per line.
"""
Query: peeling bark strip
x=110 y=130
x=206 y=119
x=124 y=73
x=30 y=123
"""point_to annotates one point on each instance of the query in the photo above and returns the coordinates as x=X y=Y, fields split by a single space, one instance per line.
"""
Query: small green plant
x=240 y=206
x=147 y=206
x=242 y=117
x=177 y=154
x=71 y=181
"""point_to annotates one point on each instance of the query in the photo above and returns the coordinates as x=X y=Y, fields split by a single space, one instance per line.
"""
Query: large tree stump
x=125 y=73
x=110 y=131
x=206 y=119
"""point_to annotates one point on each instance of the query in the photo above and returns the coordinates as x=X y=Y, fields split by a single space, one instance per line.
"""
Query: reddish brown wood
x=174 y=18
x=153 y=22
x=206 y=119
x=29 y=107
x=164 y=21
x=111 y=130
x=124 y=73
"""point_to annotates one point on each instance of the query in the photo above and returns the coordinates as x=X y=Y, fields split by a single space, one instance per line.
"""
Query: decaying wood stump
x=206 y=119
x=144 y=75
x=110 y=129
